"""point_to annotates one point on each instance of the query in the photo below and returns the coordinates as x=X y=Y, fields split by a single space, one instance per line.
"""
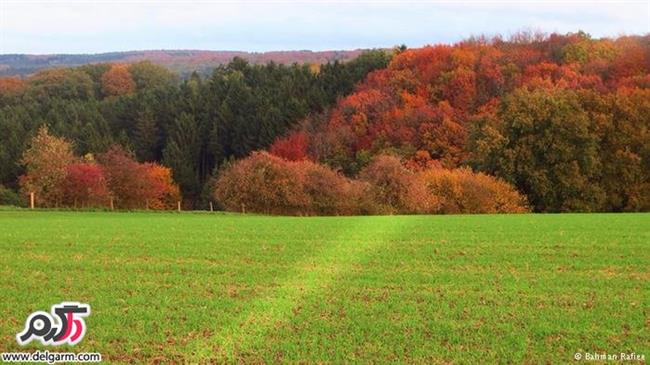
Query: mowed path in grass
x=203 y=288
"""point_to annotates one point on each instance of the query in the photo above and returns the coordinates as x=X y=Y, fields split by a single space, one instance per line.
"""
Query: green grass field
x=202 y=288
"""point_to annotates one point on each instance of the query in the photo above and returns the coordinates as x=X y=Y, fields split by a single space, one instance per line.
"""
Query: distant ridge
x=181 y=61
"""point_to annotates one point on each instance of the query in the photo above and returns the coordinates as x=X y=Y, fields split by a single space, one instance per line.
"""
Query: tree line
x=268 y=184
x=550 y=123
x=55 y=177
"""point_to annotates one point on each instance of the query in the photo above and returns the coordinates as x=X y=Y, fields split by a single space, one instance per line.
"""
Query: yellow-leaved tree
x=46 y=162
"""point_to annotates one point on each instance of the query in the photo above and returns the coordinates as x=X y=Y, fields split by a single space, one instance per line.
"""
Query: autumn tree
x=292 y=147
x=85 y=185
x=162 y=192
x=11 y=85
x=118 y=81
x=46 y=164
x=138 y=185
x=126 y=178
x=461 y=191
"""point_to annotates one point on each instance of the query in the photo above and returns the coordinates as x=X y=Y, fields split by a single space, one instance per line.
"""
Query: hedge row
x=263 y=183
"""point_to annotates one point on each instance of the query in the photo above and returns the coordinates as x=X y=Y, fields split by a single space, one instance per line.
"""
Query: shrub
x=331 y=193
x=261 y=183
x=463 y=191
x=8 y=196
x=395 y=188
x=265 y=183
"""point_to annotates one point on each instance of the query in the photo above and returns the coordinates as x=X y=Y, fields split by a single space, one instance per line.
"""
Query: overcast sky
x=103 y=26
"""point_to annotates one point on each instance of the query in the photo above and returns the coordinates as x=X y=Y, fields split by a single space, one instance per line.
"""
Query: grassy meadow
x=206 y=288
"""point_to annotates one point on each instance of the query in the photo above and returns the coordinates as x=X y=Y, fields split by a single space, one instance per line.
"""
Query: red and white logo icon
x=63 y=325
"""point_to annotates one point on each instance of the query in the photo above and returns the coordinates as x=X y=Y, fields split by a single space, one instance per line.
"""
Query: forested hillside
x=191 y=126
x=564 y=118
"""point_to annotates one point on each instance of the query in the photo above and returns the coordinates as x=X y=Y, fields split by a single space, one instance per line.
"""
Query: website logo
x=63 y=325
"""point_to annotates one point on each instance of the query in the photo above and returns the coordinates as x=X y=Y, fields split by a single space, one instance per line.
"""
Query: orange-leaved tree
x=463 y=191
x=162 y=193
x=118 y=81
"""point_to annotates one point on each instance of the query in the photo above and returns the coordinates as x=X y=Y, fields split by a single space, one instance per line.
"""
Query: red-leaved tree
x=292 y=147
x=125 y=177
x=138 y=186
x=85 y=186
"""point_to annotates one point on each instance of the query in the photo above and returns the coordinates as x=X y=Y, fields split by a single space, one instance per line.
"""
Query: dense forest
x=191 y=126
x=550 y=123
x=564 y=118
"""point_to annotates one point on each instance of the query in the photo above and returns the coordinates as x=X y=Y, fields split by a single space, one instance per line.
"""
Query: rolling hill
x=181 y=61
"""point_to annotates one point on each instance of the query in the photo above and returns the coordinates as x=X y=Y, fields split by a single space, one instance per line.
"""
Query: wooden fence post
x=211 y=209
x=112 y=206
x=178 y=203
x=31 y=200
